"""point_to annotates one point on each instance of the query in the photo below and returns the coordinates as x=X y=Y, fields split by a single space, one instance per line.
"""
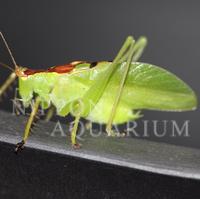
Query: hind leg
x=132 y=55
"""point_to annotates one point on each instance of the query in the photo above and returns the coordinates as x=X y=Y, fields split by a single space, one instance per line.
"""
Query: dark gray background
x=46 y=33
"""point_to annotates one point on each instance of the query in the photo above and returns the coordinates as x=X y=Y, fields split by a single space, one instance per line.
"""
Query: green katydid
x=107 y=92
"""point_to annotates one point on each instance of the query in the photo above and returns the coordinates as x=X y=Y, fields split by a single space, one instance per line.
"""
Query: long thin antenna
x=6 y=66
x=6 y=44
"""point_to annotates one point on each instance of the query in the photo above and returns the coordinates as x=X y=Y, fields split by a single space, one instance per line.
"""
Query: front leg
x=7 y=83
x=20 y=145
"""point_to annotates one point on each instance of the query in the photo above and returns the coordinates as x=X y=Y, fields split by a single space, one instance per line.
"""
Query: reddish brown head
x=19 y=71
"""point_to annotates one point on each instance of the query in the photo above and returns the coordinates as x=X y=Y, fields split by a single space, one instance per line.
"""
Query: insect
x=102 y=92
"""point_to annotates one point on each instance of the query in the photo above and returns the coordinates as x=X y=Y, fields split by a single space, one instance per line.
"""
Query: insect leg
x=20 y=145
x=76 y=145
x=96 y=90
x=50 y=113
x=7 y=83
x=133 y=54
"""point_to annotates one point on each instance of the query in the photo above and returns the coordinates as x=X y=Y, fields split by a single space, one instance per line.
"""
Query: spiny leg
x=104 y=79
x=20 y=145
x=133 y=54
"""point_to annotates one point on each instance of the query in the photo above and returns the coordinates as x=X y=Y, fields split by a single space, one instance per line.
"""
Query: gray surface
x=128 y=152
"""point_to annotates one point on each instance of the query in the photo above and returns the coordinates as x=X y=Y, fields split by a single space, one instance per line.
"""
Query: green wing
x=151 y=87
x=147 y=87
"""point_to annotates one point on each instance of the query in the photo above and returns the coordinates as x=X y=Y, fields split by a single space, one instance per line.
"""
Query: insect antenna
x=9 y=51
x=7 y=66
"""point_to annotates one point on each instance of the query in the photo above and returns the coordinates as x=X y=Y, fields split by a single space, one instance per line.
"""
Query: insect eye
x=93 y=64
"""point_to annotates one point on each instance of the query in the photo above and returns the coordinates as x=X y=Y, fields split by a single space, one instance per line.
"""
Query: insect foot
x=88 y=126
x=111 y=133
x=76 y=146
x=118 y=134
x=19 y=146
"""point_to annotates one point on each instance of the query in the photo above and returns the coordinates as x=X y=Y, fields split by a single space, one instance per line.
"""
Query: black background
x=46 y=33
